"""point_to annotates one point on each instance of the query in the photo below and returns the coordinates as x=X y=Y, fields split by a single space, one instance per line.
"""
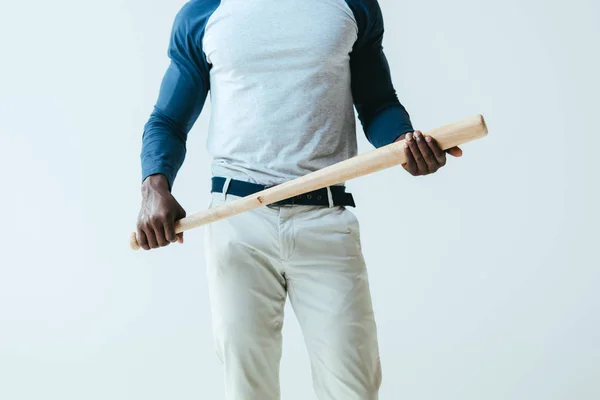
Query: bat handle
x=133 y=243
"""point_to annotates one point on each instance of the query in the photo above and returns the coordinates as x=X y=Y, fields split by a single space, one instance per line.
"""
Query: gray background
x=484 y=276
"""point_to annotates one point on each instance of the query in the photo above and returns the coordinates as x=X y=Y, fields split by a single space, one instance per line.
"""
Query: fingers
x=151 y=233
x=158 y=223
x=416 y=153
x=438 y=153
x=411 y=164
x=157 y=229
x=151 y=237
x=170 y=230
x=430 y=160
x=423 y=154
x=141 y=239
x=170 y=234
x=168 y=223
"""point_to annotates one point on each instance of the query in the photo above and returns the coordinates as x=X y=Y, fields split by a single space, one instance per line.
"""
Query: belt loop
x=329 y=197
x=226 y=188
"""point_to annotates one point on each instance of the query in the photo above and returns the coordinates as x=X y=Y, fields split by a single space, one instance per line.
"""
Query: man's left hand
x=423 y=155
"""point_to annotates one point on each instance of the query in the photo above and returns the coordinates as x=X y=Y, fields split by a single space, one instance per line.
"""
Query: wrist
x=156 y=182
x=401 y=137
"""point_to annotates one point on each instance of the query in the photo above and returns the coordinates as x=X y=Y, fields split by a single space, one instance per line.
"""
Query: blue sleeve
x=382 y=116
x=182 y=94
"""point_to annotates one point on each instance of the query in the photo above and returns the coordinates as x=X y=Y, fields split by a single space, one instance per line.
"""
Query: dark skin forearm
x=158 y=213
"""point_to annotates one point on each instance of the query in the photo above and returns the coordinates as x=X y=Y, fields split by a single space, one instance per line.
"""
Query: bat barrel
x=461 y=132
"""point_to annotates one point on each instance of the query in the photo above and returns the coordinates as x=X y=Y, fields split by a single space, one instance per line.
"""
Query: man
x=284 y=76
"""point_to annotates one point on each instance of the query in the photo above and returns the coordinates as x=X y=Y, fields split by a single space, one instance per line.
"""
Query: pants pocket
x=352 y=225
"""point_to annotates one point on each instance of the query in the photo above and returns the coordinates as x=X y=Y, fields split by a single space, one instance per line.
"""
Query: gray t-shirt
x=283 y=77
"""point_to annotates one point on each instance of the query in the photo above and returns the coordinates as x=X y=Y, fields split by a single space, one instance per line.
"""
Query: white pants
x=312 y=253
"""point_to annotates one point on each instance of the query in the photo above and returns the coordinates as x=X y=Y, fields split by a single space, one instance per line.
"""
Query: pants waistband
x=329 y=196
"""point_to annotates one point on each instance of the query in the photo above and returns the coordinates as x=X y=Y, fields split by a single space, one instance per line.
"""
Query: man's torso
x=280 y=87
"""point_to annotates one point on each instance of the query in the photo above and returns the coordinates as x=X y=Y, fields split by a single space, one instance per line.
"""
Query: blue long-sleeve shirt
x=284 y=78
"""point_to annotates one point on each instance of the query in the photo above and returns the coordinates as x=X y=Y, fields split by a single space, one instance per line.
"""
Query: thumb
x=455 y=151
x=180 y=212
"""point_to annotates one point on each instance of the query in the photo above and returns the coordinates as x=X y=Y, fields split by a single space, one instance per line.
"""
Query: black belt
x=315 y=198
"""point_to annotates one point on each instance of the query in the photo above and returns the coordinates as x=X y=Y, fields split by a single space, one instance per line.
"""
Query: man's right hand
x=160 y=210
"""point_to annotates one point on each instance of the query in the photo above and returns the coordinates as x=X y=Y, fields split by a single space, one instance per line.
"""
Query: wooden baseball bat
x=393 y=154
